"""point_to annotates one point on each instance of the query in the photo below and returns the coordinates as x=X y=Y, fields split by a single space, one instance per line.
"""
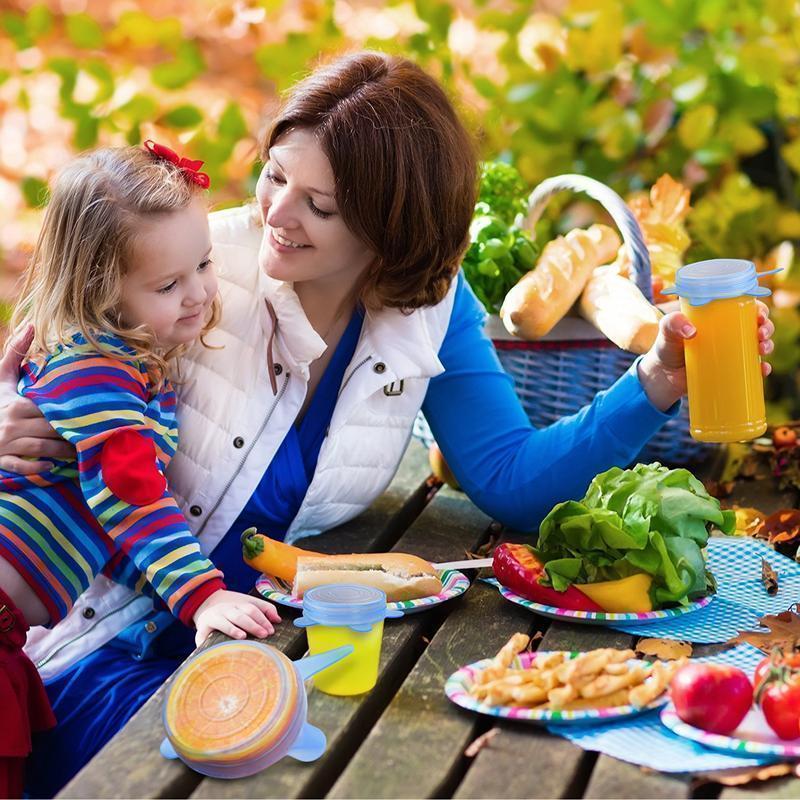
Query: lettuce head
x=647 y=519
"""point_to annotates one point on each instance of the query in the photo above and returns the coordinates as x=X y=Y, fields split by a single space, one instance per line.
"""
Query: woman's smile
x=285 y=245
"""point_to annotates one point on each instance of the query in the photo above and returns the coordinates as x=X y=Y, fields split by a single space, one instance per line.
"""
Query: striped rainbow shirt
x=62 y=527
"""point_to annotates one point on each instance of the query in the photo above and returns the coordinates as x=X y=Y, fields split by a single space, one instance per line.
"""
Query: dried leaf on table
x=739 y=777
x=769 y=577
x=485 y=550
x=748 y=520
x=781 y=530
x=534 y=638
x=783 y=631
x=482 y=741
x=719 y=489
x=665 y=649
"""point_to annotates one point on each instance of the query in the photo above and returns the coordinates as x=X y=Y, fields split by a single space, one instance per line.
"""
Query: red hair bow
x=191 y=169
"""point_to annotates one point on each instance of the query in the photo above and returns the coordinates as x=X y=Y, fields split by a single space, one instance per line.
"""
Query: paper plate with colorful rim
x=600 y=617
x=454 y=583
x=458 y=686
x=753 y=737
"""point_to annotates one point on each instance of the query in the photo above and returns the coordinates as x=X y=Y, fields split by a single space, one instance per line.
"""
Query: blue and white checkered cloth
x=741 y=598
x=645 y=741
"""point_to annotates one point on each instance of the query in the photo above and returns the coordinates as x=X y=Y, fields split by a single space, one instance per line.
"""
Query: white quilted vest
x=231 y=422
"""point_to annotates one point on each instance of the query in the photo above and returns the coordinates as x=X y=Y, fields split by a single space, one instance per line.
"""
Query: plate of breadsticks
x=561 y=686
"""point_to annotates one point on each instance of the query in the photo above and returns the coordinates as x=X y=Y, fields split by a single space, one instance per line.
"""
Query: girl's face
x=170 y=283
x=305 y=238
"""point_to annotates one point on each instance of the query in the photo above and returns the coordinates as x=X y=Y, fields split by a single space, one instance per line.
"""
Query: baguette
x=543 y=296
x=402 y=577
x=615 y=306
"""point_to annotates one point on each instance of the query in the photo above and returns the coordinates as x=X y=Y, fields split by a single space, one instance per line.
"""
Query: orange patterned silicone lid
x=232 y=702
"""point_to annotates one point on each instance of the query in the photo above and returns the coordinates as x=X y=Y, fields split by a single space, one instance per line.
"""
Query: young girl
x=120 y=282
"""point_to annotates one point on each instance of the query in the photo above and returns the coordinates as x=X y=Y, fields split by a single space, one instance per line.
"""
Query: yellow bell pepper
x=626 y=595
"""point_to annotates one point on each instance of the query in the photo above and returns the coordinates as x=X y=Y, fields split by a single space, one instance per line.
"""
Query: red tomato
x=516 y=566
x=777 y=660
x=777 y=681
x=714 y=697
x=780 y=703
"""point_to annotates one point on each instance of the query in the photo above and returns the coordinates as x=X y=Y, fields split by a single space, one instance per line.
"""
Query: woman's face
x=305 y=238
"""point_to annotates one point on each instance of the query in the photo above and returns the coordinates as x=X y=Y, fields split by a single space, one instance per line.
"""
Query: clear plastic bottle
x=723 y=367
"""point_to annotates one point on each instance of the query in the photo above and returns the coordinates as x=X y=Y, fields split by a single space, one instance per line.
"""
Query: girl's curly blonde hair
x=74 y=280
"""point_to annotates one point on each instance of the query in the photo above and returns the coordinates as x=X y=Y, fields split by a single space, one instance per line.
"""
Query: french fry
x=619 y=698
x=529 y=695
x=549 y=660
x=608 y=684
x=656 y=683
x=502 y=661
x=558 y=698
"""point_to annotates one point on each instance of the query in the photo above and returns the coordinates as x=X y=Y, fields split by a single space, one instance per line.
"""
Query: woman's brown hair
x=405 y=170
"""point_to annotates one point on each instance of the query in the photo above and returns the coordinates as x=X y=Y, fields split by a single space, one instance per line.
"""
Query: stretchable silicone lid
x=345 y=604
x=718 y=279
x=233 y=702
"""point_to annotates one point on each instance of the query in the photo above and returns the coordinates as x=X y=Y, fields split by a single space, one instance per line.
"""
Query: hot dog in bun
x=401 y=576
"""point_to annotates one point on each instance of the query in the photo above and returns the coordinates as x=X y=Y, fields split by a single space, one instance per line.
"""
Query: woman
x=343 y=314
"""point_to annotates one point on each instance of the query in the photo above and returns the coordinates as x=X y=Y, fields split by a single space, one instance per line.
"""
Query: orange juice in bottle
x=723 y=367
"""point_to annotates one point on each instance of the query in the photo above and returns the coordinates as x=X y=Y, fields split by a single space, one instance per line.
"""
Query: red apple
x=714 y=697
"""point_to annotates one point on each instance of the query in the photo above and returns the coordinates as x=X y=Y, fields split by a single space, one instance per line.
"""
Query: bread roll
x=544 y=295
x=615 y=306
x=402 y=577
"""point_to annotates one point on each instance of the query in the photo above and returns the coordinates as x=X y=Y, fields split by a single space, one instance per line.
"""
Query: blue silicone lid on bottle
x=718 y=279
x=345 y=604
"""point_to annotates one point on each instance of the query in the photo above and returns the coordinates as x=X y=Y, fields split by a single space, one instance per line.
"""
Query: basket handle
x=614 y=204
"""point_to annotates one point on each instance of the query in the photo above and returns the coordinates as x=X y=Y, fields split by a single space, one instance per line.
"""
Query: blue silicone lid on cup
x=345 y=604
x=718 y=279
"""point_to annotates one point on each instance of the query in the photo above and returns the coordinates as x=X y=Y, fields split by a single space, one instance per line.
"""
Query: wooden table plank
x=526 y=761
x=444 y=529
x=416 y=748
x=613 y=778
x=779 y=788
x=136 y=746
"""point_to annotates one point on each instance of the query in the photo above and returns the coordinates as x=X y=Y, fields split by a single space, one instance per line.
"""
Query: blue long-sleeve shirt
x=514 y=472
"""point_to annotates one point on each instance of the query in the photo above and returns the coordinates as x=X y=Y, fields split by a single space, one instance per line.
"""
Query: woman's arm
x=24 y=432
x=511 y=470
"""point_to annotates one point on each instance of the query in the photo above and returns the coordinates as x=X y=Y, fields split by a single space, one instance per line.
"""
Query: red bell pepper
x=517 y=568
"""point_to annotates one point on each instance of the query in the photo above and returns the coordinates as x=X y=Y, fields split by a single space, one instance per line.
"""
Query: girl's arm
x=98 y=404
x=514 y=472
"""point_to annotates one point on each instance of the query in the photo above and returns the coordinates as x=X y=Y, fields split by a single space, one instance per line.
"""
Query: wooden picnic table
x=405 y=738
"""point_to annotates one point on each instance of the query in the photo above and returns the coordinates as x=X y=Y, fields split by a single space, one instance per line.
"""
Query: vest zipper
x=246 y=453
x=55 y=652
x=355 y=369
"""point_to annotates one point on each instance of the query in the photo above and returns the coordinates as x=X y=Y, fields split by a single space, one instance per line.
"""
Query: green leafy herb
x=500 y=252
x=647 y=519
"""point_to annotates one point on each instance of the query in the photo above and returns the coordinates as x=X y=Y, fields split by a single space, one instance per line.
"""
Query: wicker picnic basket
x=559 y=374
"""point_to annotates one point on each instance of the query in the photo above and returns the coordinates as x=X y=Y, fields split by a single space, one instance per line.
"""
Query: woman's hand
x=662 y=369
x=235 y=615
x=23 y=429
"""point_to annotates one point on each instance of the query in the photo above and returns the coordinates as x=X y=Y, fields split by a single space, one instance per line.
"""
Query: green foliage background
x=622 y=90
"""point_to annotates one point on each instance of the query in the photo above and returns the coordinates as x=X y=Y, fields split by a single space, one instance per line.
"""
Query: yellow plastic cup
x=346 y=614
x=723 y=367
